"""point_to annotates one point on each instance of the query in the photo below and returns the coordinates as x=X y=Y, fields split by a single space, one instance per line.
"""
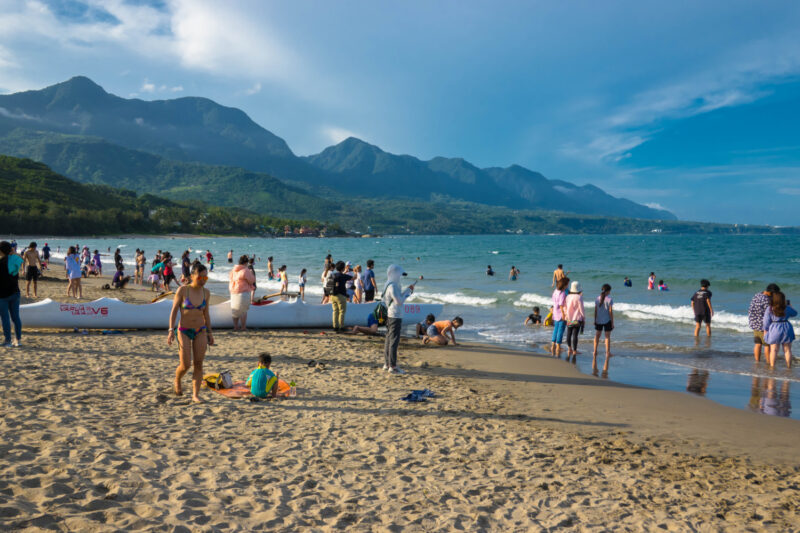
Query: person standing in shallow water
x=193 y=331
x=559 y=316
x=755 y=319
x=603 y=322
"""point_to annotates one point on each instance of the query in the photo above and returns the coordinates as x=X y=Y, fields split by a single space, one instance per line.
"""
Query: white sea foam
x=529 y=298
x=452 y=298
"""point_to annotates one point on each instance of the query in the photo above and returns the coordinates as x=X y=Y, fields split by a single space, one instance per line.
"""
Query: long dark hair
x=778 y=303
x=562 y=284
x=604 y=290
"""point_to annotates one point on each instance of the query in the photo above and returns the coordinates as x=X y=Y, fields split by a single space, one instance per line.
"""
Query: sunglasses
x=202 y=277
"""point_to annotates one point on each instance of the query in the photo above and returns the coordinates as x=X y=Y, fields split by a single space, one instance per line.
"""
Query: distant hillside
x=195 y=129
x=37 y=200
x=356 y=163
x=93 y=160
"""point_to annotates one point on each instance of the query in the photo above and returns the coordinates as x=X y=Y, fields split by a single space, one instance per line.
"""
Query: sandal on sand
x=312 y=363
x=414 y=397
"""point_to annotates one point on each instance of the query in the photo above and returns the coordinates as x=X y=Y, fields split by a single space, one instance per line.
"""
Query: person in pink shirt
x=241 y=285
x=576 y=317
x=559 y=316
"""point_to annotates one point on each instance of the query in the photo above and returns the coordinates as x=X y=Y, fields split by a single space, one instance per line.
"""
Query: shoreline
x=136 y=294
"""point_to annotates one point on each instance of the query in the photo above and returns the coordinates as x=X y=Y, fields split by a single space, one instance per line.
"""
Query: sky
x=689 y=106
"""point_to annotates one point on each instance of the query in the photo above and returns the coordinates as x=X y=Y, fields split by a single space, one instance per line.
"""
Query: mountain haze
x=197 y=131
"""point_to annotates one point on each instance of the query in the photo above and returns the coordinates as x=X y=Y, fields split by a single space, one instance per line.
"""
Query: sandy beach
x=92 y=439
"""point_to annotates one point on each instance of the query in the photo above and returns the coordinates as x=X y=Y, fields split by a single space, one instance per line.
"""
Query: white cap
x=575 y=287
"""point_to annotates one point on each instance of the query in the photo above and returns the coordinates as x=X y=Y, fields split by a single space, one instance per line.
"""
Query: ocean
x=652 y=341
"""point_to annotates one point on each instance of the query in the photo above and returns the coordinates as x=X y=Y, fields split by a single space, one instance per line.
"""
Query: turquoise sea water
x=653 y=337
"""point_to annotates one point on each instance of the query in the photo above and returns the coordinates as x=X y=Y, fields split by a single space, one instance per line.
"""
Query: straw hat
x=575 y=287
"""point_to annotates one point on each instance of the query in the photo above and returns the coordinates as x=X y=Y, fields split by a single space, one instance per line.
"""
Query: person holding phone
x=394 y=297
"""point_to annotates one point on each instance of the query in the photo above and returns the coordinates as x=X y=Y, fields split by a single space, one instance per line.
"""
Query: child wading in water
x=301 y=284
x=777 y=328
x=603 y=321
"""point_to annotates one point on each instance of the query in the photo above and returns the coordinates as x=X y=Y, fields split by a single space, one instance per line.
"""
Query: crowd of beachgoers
x=344 y=283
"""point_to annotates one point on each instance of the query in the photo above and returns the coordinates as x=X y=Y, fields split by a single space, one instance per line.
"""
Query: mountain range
x=194 y=146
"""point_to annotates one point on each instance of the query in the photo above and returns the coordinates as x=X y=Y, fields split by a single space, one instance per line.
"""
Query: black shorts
x=608 y=326
x=32 y=273
x=703 y=317
x=369 y=295
x=230 y=260
x=326 y=292
x=169 y=278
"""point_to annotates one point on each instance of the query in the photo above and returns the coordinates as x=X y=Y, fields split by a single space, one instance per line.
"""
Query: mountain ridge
x=197 y=129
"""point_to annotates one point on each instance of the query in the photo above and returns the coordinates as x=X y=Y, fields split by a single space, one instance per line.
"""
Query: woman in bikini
x=193 y=330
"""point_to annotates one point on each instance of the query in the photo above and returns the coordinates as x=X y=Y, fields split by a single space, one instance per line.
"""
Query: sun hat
x=575 y=287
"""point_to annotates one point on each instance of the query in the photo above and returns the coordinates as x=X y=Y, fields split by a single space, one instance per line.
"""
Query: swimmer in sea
x=627 y=282
x=651 y=281
x=489 y=271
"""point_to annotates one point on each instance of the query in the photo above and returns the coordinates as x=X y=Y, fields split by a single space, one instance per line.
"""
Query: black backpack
x=330 y=283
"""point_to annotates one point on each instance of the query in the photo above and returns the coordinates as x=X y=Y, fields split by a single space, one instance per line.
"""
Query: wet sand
x=92 y=438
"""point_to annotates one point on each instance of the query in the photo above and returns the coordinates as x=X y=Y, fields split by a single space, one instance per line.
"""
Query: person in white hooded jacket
x=394 y=297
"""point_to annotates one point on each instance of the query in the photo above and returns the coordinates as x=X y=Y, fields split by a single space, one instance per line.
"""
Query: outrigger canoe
x=110 y=313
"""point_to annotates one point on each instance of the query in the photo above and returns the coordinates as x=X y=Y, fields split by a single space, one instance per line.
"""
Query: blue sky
x=693 y=106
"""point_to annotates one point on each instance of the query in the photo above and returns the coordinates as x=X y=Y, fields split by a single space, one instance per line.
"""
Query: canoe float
x=110 y=313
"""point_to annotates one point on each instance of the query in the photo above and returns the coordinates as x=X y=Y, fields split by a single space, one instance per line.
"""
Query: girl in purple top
x=559 y=316
x=777 y=328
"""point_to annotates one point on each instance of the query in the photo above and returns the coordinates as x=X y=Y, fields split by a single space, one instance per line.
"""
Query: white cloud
x=255 y=89
x=735 y=80
x=6 y=113
x=148 y=87
x=217 y=38
x=656 y=205
x=200 y=35
x=792 y=191
x=336 y=135
x=176 y=89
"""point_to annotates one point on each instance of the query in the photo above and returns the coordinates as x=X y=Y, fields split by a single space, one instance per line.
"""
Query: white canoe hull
x=110 y=313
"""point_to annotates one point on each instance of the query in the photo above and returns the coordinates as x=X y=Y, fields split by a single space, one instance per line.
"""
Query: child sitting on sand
x=263 y=382
x=437 y=332
x=422 y=327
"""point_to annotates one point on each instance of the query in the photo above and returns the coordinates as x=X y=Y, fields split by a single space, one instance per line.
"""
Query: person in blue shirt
x=263 y=382
x=369 y=282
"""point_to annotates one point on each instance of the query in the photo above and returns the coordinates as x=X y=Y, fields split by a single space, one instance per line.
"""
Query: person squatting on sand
x=394 y=297
x=421 y=328
x=603 y=321
x=193 y=331
x=241 y=286
x=438 y=331
x=10 y=264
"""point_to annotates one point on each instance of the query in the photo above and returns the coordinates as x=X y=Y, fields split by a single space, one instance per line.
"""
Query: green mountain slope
x=93 y=160
x=37 y=200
